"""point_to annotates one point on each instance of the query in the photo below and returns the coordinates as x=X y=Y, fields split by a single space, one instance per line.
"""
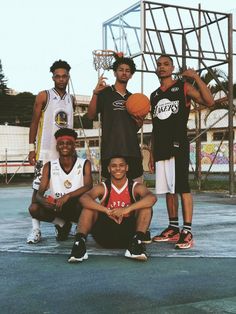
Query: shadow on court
x=38 y=279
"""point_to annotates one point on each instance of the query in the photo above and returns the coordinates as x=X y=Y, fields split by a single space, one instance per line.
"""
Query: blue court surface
x=38 y=279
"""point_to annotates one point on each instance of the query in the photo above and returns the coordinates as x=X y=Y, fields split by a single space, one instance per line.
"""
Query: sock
x=187 y=226
x=174 y=222
x=58 y=221
x=35 y=224
x=79 y=236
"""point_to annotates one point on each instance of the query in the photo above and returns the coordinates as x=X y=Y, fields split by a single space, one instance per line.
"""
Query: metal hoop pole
x=99 y=142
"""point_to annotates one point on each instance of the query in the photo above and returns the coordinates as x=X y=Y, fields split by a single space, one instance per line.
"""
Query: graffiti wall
x=208 y=155
x=92 y=154
x=212 y=153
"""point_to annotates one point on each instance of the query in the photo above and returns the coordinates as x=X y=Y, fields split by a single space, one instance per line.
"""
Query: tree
x=3 y=82
x=17 y=109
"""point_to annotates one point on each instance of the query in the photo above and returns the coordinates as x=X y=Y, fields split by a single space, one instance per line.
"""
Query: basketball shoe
x=170 y=234
x=63 y=232
x=136 y=250
x=34 y=236
x=185 y=240
x=78 y=253
x=146 y=238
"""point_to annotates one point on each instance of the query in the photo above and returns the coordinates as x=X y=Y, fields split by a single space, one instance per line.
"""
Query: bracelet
x=31 y=147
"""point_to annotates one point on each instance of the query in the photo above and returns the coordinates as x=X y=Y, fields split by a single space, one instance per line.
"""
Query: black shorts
x=71 y=210
x=135 y=167
x=107 y=233
x=182 y=172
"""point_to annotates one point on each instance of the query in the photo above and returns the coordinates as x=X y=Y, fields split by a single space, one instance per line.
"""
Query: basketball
x=138 y=105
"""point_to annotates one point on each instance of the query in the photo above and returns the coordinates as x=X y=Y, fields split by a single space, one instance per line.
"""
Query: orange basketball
x=138 y=105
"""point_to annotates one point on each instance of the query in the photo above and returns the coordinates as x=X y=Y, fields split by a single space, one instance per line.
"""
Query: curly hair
x=66 y=132
x=60 y=64
x=124 y=60
x=118 y=156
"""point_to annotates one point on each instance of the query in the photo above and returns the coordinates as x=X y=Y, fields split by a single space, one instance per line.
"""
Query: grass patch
x=210 y=185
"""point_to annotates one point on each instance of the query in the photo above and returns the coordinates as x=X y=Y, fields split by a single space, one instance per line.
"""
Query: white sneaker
x=34 y=237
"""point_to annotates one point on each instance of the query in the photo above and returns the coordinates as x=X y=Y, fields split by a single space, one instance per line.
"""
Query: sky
x=34 y=34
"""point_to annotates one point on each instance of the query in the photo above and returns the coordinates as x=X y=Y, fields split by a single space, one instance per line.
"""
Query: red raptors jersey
x=118 y=197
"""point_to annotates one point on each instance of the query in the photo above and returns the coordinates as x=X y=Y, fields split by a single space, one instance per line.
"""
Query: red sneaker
x=170 y=234
x=185 y=240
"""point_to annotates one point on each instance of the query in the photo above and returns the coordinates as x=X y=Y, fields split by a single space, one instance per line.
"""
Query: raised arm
x=92 y=108
x=202 y=96
x=40 y=102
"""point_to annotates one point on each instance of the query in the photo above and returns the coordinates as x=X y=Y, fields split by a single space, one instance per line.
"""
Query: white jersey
x=58 y=113
x=62 y=183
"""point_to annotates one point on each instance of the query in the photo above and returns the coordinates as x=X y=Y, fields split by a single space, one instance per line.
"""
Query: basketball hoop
x=103 y=59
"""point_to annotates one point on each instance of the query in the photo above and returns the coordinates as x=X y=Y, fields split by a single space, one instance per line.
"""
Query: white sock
x=58 y=221
x=35 y=224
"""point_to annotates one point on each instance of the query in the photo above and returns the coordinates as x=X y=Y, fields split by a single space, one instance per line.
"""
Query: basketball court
x=38 y=279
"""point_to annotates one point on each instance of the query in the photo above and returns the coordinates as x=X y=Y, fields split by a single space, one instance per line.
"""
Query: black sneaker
x=78 y=253
x=146 y=238
x=63 y=232
x=136 y=250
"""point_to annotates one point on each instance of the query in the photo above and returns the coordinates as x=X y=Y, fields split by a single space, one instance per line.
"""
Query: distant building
x=14 y=142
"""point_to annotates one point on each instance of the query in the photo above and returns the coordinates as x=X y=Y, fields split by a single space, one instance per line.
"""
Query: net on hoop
x=103 y=59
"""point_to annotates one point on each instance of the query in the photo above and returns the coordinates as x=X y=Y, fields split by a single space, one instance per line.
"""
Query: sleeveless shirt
x=118 y=197
x=58 y=113
x=62 y=183
x=170 y=112
x=119 y=130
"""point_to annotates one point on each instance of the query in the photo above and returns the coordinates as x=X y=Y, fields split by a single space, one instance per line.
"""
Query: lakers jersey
x=58 y=113
x=170 y=112
x=62 y=183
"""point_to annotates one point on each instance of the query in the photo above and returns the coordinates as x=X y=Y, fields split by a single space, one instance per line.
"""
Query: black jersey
x=119 y=130
x=170 y=114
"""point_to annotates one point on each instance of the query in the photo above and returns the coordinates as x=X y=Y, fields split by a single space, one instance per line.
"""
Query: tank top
x=118 y=197
x=170 y=112
x=58 y=113
x=62 y=183
x=119 y=130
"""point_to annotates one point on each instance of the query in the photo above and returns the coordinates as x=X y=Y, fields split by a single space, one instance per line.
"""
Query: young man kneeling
x=120 y=219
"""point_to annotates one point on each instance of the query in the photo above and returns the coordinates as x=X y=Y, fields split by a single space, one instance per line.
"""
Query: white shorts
x=165 y=176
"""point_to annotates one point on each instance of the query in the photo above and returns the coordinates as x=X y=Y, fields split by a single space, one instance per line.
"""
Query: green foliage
x=211 y=185
x=17 y=109
x=3 y=82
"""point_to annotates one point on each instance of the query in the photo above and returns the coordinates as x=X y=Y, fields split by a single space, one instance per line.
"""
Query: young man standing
x=67 y=178
x=53 y=109
x=119 y=129
x=120 y=219
x=170 y=146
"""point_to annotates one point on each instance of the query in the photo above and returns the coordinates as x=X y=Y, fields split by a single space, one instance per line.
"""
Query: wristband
x=94 y=93
x=31 y=147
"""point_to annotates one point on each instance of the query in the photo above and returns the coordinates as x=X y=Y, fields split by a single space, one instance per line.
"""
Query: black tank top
x=119 y=130
x=169 y=117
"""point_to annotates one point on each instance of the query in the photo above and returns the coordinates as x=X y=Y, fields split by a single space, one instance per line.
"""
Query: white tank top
x=62 y=183
x=58 y=113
